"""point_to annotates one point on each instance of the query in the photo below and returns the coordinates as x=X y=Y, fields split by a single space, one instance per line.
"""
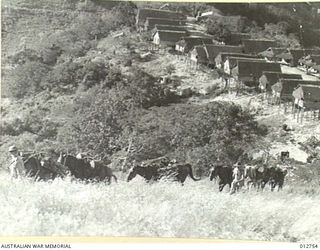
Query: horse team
x=251 y=176
x=257 y=176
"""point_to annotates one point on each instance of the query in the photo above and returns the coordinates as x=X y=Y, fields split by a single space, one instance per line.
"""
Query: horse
x=258 y=176
x=178 y=172
x=31 y=164
x=83 y=170
x=51 y=169
x=224 y=173
x=277 y=176
x=36 y=169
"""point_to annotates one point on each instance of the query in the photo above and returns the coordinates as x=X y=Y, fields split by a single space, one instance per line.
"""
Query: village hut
x=199 y=55
x=236 y=38
x=249 y=71
x=144 y=13
x=297 y=54
x=167 y=37
x=193 y=33
x=310 y=94
x=285 y=87
x=213 y=51
x=255 y=46
x=152 y=22
x=232 y=62
x=223 y=56
x=272 y=53
x=270 y=78
x=187 y=43
x=161 y=27
x=310 y=60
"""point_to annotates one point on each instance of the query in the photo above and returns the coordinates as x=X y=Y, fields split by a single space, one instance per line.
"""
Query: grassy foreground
x=197 y=210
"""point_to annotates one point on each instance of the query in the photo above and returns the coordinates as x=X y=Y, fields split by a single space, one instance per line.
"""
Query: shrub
x=24 y=56
x=125 y=13
x=27 y=79
x=218 y=29
x=309 y=174
x=68 y=76
x=145 y=91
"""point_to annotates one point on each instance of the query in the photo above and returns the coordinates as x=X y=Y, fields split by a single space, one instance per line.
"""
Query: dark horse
x=36 y=170
x=224 y=173
x=277 y=177
x=259 y=177
x=82 y=169
x=178 y=172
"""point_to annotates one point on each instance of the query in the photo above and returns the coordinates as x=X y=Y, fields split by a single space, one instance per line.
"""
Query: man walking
x=16 y=167
x=238 y=178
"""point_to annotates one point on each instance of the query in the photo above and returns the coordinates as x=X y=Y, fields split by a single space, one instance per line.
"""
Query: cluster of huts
x=255 y=62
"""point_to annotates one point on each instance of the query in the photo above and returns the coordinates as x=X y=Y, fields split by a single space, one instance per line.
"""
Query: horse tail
x=191 y=173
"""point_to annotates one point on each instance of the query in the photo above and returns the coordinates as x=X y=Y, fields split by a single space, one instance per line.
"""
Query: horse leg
x=221 y=186
x=249 y=185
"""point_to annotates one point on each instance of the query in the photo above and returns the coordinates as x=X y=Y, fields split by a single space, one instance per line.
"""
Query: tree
x=27 y=79
x=24 y=56
x=125 y=11
x=218 y=29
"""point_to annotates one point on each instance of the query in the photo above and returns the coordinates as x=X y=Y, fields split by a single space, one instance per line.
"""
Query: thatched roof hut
x=255 y=46
x=272 y=53
x=168 y=37
x=222 y=57
x=297 y=54
x=251 y=70
x=198 y=54
x=187 y=43
x=310 y=95
x=273 y=77
x=289 y=85
x=144 y=13
x=236 y=38
x=214 y=50
x=152 y=22
x=162 y=27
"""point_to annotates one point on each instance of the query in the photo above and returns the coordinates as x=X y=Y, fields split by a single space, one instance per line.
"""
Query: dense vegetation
x=77 y=97
x=75 y=87
x=138 y=209
x=107 y=107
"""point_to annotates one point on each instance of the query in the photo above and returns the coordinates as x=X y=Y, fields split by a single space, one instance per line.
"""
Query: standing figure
x=237 y=178
x=16 y=166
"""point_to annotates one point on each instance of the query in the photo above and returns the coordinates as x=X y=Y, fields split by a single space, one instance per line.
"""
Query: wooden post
x=302 y=114
x=285 y=107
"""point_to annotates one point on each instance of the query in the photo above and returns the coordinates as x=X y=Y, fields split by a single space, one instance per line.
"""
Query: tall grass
x=197 y=210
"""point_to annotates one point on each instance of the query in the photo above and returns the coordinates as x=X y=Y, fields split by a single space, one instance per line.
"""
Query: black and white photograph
x=162 y=120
